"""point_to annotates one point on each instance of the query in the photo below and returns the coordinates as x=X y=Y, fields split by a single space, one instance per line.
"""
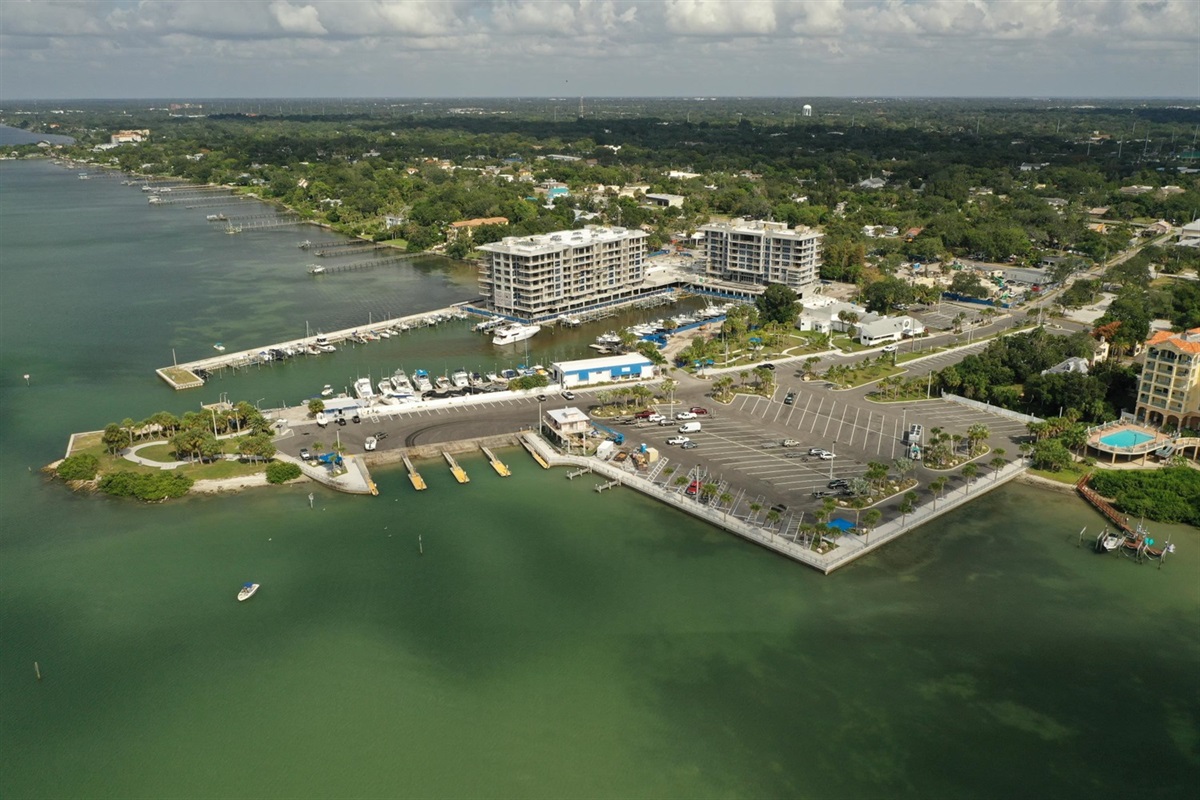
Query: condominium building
x=1169 y=389
x=751 y=251
x=536 y=277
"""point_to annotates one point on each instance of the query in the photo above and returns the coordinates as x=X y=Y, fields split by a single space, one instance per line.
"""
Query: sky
x=178 y=49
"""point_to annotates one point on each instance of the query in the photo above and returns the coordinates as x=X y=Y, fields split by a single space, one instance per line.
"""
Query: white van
x=689 y=427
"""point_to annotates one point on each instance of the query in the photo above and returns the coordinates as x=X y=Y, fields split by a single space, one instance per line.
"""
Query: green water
x=550 y=642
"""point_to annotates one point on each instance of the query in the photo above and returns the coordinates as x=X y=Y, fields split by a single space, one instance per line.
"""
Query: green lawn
x=222 y=469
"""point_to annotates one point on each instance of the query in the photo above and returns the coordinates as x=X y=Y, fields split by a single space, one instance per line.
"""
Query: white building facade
x=610 y=369
x=757 y=252
x=536 y=277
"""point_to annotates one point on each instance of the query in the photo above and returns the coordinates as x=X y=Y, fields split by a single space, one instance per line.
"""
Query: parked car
x=305 y=455
x=568 y=395
x=685 y=415
x=767 y=365
x=839 y=483
x=693 y=488
x=541 y=398
x=889 y=348
x=825 y=455
x=655 y=418
x=815 y=451
x=647 y=414
x=821 y=493
x=666 y=421
x=690 y=445
x=678 y=440
x=791 y=398
x=790 y=443
x=779 y=508
x=699 y=411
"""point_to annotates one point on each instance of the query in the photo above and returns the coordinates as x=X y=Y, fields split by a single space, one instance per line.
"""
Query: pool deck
x=1097 y=435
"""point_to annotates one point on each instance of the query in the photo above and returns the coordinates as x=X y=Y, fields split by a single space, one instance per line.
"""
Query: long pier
x=458 y=472
x=501 y=468
x=190 y=374
x=354 y=266
x=347 y=251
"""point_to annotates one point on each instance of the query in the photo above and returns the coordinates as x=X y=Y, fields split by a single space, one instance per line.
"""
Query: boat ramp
x=413 y=476
x=501 y=468
x=458 y=472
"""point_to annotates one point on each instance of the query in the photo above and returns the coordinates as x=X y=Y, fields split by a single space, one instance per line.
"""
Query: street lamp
x=831 y=460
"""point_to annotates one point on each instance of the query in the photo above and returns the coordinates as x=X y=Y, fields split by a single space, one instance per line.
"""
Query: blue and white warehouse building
x=610 y=369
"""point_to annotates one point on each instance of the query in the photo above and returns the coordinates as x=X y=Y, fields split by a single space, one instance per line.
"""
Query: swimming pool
x=1125 y=438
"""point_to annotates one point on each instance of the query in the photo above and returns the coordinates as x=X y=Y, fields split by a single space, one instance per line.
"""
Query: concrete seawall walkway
x=850 y=545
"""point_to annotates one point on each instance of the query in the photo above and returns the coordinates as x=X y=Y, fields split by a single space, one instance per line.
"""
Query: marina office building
x=538 y=277
x=758 y=252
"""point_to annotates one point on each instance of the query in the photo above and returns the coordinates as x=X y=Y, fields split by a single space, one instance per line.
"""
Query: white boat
x=384 y=333
x=460 y=379
x=608 y=339
x=219 y=346
x=516 y=332
x=322 y=419
x=401 y=382
x=327 y=391
x=385 y=387
x=421 y=381
x=363 y=390
x=247 y=591
x=316 y=269
x=370 y=443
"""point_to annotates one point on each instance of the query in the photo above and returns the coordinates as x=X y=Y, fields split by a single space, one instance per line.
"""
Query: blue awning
x=840 y=524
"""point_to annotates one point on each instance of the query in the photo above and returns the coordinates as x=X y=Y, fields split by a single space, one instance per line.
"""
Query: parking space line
x=817 y=414
x=828 y=419
x=787 y=423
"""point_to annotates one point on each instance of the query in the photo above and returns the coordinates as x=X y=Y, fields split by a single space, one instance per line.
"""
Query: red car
x=643 y=414
x=698 y=410
x=692 y=488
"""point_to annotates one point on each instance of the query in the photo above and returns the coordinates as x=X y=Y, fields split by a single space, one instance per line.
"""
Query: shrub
x=80 y=467
x=282 y=472
x=1165 y=495
x=155 y=486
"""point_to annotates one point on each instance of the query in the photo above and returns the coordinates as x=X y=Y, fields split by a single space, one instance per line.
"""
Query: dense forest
x=989 y=179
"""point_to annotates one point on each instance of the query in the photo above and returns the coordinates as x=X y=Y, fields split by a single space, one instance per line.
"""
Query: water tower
x=807 y=110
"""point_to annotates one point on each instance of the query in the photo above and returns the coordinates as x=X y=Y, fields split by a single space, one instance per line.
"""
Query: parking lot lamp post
x=832 y=460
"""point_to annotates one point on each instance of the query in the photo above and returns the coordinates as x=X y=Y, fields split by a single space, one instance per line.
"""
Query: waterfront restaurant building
x=610 y=369
x=567 y=423
x=551 y=274
x=1169 y=388
x=756 y=252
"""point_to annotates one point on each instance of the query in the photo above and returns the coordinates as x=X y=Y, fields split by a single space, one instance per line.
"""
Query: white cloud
x=720 y=18
x=293 y=19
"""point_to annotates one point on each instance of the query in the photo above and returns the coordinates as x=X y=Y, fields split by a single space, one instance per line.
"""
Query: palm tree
x=904 y=466
x=976 y=434
x=876 y=473
x=708 y=491
x=744 y=375
x=810 y=363
x=725 y=499
x=907 y=505
x=755 y=508
x=870 y=520
x=996 y=464
x=969 y=471
x=772 y=517
x=936 y=486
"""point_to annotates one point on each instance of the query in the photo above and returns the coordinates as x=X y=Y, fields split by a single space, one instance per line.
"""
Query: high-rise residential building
x=752 y=251
x=1169 y=389
x=536 y=277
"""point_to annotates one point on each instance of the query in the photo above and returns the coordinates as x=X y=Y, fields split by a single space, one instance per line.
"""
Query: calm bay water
x=550 y=642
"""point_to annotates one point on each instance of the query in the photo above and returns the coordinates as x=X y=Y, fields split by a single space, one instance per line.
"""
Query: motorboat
x=401 y=382
x=322 y=419
x=219 y=346
x=510 y=334
x=370 y=443
x=609 y=339
x=442 y=383
x=385 y=387
x=316 y=269
x=247 y=591
x=460 y=379
x=421 y=381
x=363 y=390
x=1110 y=541
x=327 y=391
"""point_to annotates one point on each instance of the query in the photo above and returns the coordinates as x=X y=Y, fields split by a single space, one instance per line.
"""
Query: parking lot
x=740 y=445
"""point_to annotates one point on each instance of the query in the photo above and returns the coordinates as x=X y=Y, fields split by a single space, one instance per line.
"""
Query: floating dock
x=458 y=472
x=415 y=477
x=501 y=469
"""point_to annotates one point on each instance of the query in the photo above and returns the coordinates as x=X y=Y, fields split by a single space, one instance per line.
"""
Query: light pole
x=831 y=460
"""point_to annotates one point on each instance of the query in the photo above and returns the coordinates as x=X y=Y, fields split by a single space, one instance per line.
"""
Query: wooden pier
x=413 y=476
x=501 y=469
x=1102 y=505
x=458 y=472
x=354 y=266
x=361 y=247
x=575 y=473
x=600 y=487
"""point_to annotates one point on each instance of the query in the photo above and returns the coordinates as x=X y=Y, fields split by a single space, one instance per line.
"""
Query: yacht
x=327 y=391
x=363 y=390
x=220 y=347
x=386 y=388
x=510 y=334
x=442 y=383
x=421 y=381
x=609 y=339
x=401 y=382
x=316 y=269
x=247 y=591
x=460 y=379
